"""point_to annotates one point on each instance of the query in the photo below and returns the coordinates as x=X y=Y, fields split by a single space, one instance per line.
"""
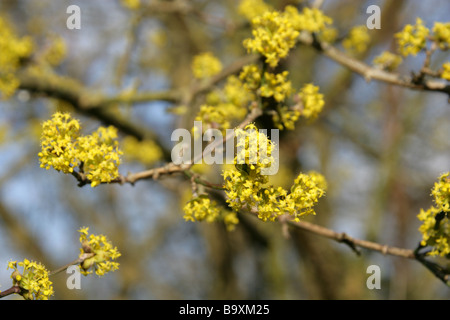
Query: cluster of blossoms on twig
x=64 y=148
x=247 y=187
x=435 y=226
x=103 y=252
x=33 y=283
x=415 y=38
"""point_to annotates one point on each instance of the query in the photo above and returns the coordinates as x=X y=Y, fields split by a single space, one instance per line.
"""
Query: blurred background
x=380 y=147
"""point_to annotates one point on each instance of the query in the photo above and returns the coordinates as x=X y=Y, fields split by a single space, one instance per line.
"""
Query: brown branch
x=352 y=242
x=12 y=290
x=369 y=72
x=77 y=261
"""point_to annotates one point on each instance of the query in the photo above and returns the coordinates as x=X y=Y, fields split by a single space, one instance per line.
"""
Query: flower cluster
x=225 y=105
x=146 y=152
x=310 y=19
x=276 y=86
x=285 y=118
x=273 y=36
x=253 y=8
x=446 y=71
x=64 y=148
x=412 y=38
x=33 y=280
x=247 y=188
x=201 y=208
x=388 y=61
x=312 y=101
x=435 y=226
x=275 y=33
x=205 y=65
x=12 y=49
x=357 y=40
x=102 y=252
x=441 y=34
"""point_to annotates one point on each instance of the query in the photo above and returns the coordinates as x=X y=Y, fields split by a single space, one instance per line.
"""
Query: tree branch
x=369 y=72
x=352 y=242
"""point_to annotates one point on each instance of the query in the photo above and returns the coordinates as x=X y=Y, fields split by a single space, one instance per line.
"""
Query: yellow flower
x=412 y=38
x=146 y=152
x=310 y=19
x=285 y=118
x=64 y=148
x=103 y=253
x=247 y=188
x=253 y=8
x=12 y=49
x=312 y=101
x=441 y=192
x=33 y=281
x=446 y=71
x=201 y=208
x=205 y=65
x=223 y=106
x=388 y=61
x=276 y=86
x=435 y=226
x=441 y=34
x=358 y=40
x=273 y=36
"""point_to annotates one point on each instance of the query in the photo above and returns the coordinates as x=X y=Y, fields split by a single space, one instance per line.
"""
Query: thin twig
x=77 y=261
x=369 y=72
x=352 y=242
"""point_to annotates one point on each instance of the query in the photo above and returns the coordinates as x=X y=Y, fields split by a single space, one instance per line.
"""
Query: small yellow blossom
x=441 y=192
x=357 y=40
x=251 y=77
x=412 y=38
x=446 y=71
x=253 y=8
x=64 y=148
x=273 y=37
x=205 y=65
x=276 y=86
x=305 y=193
x=285 y=118
x=33 y=281
x=103 y=252
x=201 y=208
x=312 y=101
x=247 y=188
x=310 y=19
x=146 y=152
x=435 y=226
x=223 y=106
x=231 y=220
x=441 y=34
x=388 y=61
x=12 y=50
